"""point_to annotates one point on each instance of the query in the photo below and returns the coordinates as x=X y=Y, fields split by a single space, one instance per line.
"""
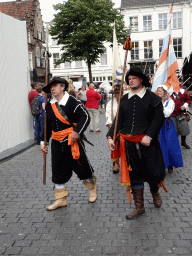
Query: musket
x=127 y=47
x=45 y=117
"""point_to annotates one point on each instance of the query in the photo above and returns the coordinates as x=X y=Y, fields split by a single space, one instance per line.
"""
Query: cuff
x=186 y=106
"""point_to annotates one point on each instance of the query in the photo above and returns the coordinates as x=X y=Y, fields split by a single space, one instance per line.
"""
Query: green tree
x=82 y=27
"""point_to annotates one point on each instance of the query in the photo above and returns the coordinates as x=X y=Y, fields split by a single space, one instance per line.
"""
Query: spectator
x=39 y=120
x=82 y=94
x=92 y=106
x=33 y=92
x=31 y=96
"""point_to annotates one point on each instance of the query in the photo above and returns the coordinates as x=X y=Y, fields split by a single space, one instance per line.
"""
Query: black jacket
x=140 y=115
x=75 y=112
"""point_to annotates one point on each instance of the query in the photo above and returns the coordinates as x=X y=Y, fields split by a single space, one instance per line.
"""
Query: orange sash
x=120 y=152
x=125 y=169
x=61 y=135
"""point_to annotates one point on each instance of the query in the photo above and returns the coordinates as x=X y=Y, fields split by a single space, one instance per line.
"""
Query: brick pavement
x=85 y=229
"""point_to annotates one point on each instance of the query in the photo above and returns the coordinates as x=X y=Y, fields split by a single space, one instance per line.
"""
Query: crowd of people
x=144 y=141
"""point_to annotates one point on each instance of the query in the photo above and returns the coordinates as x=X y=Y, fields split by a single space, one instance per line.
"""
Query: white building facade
x=148 y=23
x=78 y=70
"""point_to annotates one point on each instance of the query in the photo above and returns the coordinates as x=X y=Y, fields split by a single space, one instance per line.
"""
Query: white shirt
x=63 y=101
x=141 y=93
x=168 y=110
x=108 y=111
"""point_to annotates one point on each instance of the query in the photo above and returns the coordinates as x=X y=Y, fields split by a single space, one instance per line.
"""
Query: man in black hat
x=67 y=120
x=139 y=122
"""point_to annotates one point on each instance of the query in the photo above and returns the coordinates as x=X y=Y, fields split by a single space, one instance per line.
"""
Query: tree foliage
x=82 y=27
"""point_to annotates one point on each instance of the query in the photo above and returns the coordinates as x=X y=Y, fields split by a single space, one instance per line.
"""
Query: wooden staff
x=112 y=98
x=45 y=117
x=127 y=47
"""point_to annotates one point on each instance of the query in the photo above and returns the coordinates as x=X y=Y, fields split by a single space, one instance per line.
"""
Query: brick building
x=29 y=10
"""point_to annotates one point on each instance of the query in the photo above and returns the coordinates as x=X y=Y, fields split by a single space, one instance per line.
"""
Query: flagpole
x=113 y=76
x=127 y=47
x=45 y=116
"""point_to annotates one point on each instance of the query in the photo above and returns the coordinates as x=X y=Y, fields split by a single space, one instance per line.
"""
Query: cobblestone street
x=85 y=229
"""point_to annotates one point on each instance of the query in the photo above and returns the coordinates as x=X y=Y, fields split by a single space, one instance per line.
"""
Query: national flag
x=166 y=70
x=117 y=68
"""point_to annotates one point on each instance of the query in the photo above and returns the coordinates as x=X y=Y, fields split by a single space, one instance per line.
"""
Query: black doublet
x=74 y=111
x=142 y=116
x=63 y=163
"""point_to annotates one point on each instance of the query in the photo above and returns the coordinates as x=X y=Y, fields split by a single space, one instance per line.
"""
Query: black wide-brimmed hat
x=56 y=80
x=136 y=71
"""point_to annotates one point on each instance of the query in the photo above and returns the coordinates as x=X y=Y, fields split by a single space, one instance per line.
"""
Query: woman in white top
x=168 y=136
x=110 y=116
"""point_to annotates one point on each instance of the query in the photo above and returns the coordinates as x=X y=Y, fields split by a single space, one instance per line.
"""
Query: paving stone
x=84 y=229
x=13 y=250
x=29 y=251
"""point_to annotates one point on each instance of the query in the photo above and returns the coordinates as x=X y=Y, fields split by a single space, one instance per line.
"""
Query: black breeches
x=63 y=163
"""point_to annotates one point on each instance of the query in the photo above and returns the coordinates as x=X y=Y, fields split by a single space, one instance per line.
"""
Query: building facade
x=77 y=71
x=148 y=21
x=29 y=11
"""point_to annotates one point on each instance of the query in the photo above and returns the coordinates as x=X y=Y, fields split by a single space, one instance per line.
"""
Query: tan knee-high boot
x=60 y=197
x=139 y=204
x=92 y=189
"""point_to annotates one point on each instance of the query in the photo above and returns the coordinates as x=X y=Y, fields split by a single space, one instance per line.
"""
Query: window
x=43 y=58
x=134 y=23
x=177 y=45
x=147 y=23
x=177 y=20
x=104 y=78
x=30 y=61
x=109 y=78
x=55 y=59
x=148 y=51
x=160 y=46
x=104 y=57
x=163 y=21
x=78 y=64
x=93 y=79
x=67 y=64
x=39 y=34
x=135 y=51
x=38 y=56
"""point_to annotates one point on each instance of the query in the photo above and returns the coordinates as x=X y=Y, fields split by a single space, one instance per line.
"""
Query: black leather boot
x=183 y=142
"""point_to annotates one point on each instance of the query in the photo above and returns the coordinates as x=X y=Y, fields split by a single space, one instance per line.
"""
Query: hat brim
x=141 y=75
x=47 y=88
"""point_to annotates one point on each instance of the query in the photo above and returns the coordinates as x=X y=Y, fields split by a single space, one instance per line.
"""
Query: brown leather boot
x=139 y=204
x=156 y=199
x=155 y=194
x=92 y=189
x=170 y=169
x=60 y=197
x=116 y=166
